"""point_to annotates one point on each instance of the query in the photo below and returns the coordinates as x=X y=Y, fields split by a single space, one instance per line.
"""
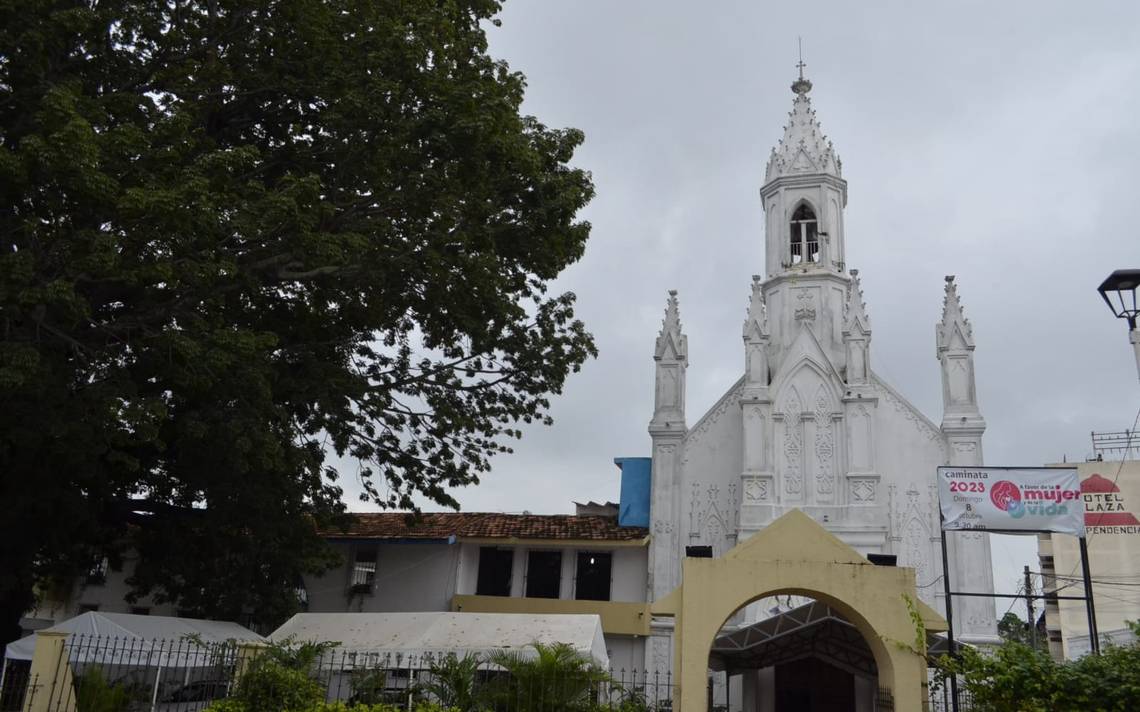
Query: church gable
x=805 y=351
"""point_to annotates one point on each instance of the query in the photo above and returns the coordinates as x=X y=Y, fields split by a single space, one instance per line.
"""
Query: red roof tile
x=440 y=525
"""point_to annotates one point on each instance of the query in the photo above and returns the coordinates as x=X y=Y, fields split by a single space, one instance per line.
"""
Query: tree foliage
x=240 y=238
x=1017 y=678
x=1012 y=628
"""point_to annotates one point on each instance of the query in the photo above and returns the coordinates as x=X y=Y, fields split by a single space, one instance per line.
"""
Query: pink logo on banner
x=1005 y=494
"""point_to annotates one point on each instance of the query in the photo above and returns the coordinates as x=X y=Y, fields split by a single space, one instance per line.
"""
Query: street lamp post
x=1119 y=292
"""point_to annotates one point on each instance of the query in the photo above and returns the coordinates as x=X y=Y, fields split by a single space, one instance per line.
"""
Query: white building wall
x=109 y=596
x=467 y=575
x=629 y=575
x=409 y=577
x=627 y=654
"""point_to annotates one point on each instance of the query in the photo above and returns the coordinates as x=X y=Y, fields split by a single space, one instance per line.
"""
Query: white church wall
x=711 y=465
x=910 y=448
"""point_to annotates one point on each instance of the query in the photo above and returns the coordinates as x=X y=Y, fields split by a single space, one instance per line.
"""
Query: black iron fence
x=941 y=700
x=130 y=674
x=126 y=673
x=188 y=675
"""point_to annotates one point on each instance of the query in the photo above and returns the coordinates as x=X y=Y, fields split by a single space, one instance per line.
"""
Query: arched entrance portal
x=796 y=555
x=797 y=655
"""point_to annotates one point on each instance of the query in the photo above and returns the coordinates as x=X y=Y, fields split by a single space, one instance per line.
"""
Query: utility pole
x=1029 y=608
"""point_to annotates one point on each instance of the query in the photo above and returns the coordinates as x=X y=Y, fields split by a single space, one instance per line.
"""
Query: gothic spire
x=756 y=320
x=855 y=311
x=804 y=148
x=672 y=344
x=954 y=321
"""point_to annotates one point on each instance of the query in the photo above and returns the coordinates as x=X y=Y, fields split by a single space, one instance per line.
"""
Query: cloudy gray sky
x=993 y=141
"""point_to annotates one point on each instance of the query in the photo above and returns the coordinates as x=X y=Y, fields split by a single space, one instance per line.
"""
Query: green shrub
x=94 y=694
x=1017 y=678
x=555 y=679
x=270 y=686
x=368 y=687
x=453 y=683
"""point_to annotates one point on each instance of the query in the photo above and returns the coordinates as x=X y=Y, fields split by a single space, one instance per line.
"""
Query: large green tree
x=241 y=238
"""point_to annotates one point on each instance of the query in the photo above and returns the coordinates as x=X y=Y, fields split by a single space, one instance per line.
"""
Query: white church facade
x=809 y=425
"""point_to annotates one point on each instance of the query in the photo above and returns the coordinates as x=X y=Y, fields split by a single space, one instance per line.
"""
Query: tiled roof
x=480 y=525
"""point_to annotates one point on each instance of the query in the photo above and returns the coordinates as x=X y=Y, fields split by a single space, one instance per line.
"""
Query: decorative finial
x=801 y=86
x=855 y=311
x=953 y=319
x=756 y=318
x=671 y=342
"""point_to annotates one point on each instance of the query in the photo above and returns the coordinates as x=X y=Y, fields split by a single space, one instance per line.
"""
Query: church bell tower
x=807 y=399
x=804 y=196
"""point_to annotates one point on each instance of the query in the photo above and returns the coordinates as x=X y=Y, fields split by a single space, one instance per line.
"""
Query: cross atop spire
x=801 y=86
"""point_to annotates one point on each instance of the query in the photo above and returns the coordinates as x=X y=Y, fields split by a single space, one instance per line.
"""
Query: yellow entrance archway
x=796 y=555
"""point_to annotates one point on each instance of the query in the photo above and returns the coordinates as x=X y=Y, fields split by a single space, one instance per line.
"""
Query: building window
x=494 y=571
x=804 y=235
x=593 y=576
x=140 y=611
x=97 y=574
x=543 y=574
x=364 y=569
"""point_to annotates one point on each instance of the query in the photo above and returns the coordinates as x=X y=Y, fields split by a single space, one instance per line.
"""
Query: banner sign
x=1044 y=499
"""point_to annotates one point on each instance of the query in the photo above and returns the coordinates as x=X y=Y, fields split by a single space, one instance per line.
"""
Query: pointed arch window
x=804 y=235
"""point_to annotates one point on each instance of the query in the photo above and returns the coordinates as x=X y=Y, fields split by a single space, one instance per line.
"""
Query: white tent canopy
x=139 y=633
x=408 y=635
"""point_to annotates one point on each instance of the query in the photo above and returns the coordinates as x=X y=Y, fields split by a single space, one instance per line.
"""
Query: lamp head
x=1119 y=293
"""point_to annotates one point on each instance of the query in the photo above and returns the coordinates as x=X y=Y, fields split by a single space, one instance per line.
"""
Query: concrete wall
x=627 y=653
x=623 y=613
x=409 y=577
x=630 y=571
x=467 y=574
x=108 y=596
